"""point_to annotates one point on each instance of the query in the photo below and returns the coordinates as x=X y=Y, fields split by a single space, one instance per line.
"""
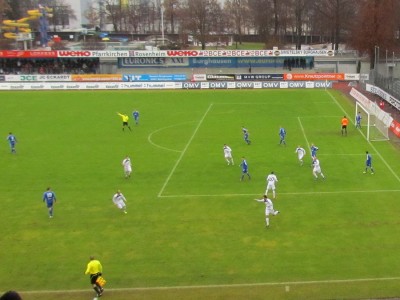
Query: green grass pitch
x=193 y=230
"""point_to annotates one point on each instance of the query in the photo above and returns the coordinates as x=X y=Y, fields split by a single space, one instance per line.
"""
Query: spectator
x=382 y=104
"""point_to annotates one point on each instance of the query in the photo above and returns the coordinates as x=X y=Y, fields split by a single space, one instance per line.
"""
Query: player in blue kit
x=368 y=163
x=135 y=115
x=246 y=135
x=358 y=120
x=245 y=169
x=282 y=135
x=50 y=198
x=314 y=150
x=12 y=140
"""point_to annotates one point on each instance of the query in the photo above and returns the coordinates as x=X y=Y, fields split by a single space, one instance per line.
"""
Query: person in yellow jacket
x=95 y=269
x=125 y=120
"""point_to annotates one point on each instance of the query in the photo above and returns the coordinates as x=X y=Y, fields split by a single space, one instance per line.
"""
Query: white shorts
x=128 y=170
x=317 y=170
x=120 y=204
x=271 y=185
x=300 y=156
x=269 y=211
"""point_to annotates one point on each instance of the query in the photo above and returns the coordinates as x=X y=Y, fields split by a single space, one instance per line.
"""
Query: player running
x=228 y=154
x=300 y=154
x=245 y=169
x=246 y=135
x=317 y=168
x=120 y=201
x=314 y=150
x=127 y=165
x=269 y=208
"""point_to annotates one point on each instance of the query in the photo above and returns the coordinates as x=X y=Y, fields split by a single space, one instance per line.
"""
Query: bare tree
x=18 y=8
x=113 y=13
x=237 y=10
x=376 y=26
x=336 y=17
x=260 y=10
x=92 y=14
x=171 y=7
x=300 y=10
x=204 y=18
x=4 y=9
x=62 y=14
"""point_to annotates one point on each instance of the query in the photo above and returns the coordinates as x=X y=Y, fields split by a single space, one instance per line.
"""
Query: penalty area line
x=293 y=193
x=212 y=286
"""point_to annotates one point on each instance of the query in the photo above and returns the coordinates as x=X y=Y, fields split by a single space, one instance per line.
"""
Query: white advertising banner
x=38 y=77
x=162 y=85
x=384 y=95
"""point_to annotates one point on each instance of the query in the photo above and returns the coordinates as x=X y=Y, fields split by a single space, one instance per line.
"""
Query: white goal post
x=378 y=121
x=372 y=122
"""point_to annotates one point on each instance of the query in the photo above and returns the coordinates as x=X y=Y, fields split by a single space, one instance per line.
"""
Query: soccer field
x=193 y=229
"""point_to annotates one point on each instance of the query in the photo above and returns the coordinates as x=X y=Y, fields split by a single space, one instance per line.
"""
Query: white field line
x=304 y=133
x=161 y=129
x=184 y=150
x=212 y=286
x=343 y=154
x=309 y=117
x=371 y=145
x=289 y=193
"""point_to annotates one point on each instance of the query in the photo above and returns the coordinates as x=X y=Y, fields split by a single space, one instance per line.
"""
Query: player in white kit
x=317 y=168
x=120 y=201
x=126 y=163
x=228 y=154
x=300 y=154
x=269 y=208
x=271 y=181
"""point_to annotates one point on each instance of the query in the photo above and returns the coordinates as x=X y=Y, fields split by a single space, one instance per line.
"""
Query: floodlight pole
x=162 y=21
x=376 y=62
x=387 y=68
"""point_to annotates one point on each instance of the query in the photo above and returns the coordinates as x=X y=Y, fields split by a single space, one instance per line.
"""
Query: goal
x=374 y=121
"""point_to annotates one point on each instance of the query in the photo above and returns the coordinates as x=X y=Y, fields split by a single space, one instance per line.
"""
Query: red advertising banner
x=87 y=53
x=313 y=76
x=163 y=53
x=395 y=128
x=27 y=54
x=96 y=77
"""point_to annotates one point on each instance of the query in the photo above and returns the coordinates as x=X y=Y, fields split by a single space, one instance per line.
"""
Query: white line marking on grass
x=212 y=286
x=288 y=193
x=160 y=129
x=343 y=154
x=303 y=117
x=184 y=150
x=304 y=133
x=372 y=146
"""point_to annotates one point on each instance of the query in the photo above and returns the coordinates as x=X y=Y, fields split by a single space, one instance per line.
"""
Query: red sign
x=27 y=54
x=313 y=76
x=395 y=128
x=74 y=53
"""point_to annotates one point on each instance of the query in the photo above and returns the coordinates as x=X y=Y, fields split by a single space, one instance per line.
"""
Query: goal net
x=374 y=122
